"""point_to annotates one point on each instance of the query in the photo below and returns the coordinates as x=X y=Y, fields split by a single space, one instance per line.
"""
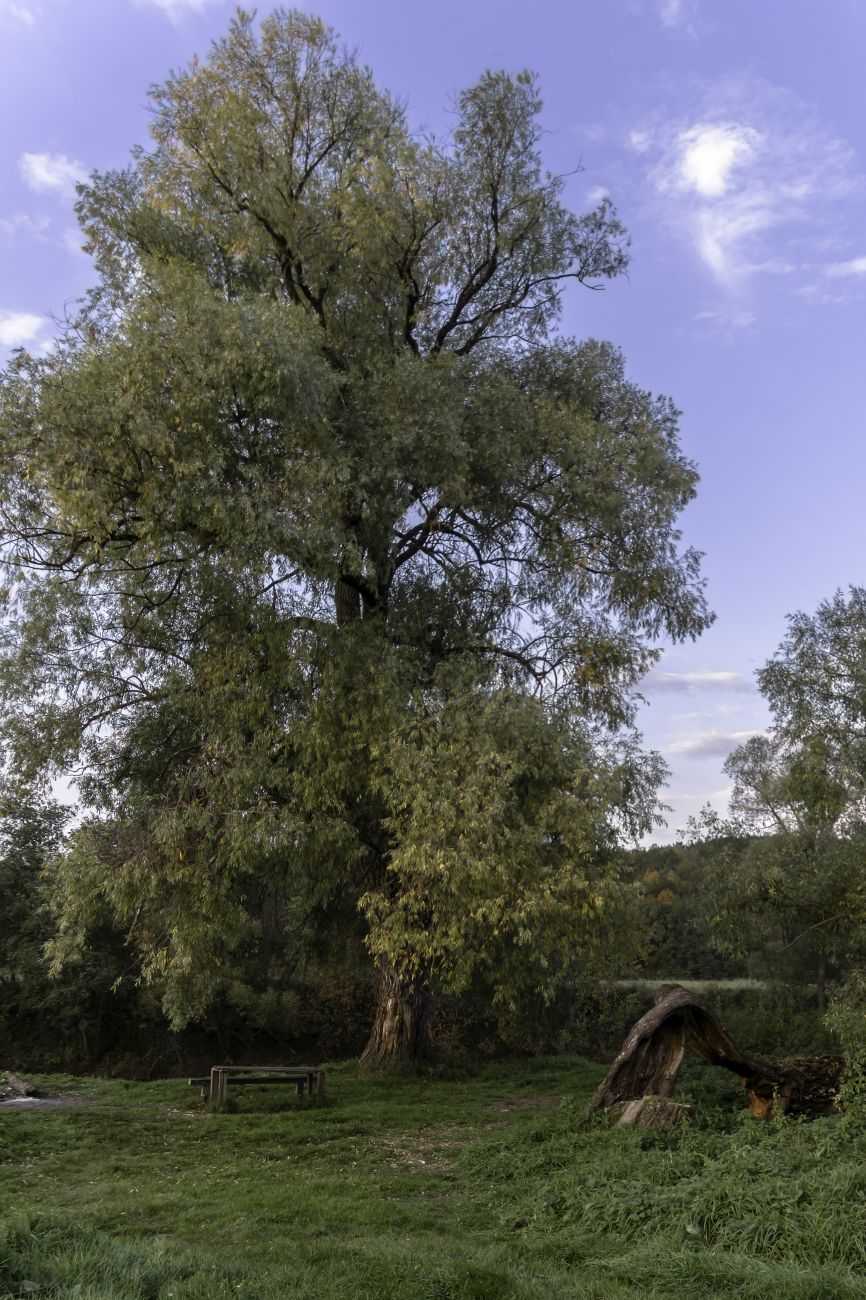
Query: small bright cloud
x=840 y=270
x=679 y=16
x=597 y=193
x=22 y=223
x=176 y=9
x=743 y=180
x=709 y=153
x=18 y=328
x=73 y=240
x=709 y=744
x=671 y=12
x=19 y=12
x=51 y=172
x=725 y=319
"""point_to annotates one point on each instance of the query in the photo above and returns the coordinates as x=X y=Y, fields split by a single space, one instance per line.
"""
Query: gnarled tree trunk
x=401 y=1028
x=651 y=1056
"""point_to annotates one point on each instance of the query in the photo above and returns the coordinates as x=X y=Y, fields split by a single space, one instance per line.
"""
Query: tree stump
x=650 y=1058
x=653 y=1112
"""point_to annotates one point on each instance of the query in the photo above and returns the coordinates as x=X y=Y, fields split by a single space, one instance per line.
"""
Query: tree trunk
x=401 y=1027
x=652 y=1112
x=347 y=603
x=822 y=983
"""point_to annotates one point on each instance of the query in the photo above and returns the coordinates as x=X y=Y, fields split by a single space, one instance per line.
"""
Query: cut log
x=650 y=1059
x=652 y=1112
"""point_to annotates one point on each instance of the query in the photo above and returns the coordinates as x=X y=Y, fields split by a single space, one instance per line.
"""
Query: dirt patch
x=431 y=1150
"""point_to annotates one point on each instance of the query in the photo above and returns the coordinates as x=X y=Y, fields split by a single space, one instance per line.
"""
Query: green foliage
x=787 y=879
x=847 y=1017
x=674 y=933
x=45 y=1021
x=307 y=483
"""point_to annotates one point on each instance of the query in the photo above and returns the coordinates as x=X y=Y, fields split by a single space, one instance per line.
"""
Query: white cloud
x=725 y=319
x=23 y=223
x=73 y=240
x=640 y=140
x=679 y=16
x=51 y=172
x=709 y=744
x=20 y=13
x=709 y=153
x=176 y=9
x=688 y=683
x=840 y=270
x=18 y=328
x=745 y=176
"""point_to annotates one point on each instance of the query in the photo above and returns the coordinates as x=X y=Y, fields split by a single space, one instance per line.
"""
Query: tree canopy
x=329 y=561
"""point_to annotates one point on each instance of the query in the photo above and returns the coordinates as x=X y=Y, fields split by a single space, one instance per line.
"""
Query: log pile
x=649 y=1061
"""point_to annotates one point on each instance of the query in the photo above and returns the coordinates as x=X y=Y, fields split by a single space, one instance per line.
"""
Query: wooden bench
x=214 y=1087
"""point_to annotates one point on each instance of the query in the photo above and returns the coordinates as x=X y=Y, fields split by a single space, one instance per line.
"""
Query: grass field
x=480 y=1185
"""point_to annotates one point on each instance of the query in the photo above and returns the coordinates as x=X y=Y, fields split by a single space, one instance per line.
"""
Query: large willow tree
x=330 y=567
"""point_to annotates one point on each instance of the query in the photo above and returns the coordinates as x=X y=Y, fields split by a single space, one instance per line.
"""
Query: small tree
x=790 y=879
x=309 y=502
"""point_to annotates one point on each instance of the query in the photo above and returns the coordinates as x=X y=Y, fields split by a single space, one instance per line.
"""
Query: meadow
x=467 y=1183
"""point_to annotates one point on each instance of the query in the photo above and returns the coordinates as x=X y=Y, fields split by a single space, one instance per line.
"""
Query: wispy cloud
x=23 y=223
x=678 y=15
x=841 y=270
x=688 y=683
x=18 y=328
x=19 y=13
x=177 y=9
x=743 y=176
x=73 y=240
x=51 y=173
x=709 y=744
x=725 y=319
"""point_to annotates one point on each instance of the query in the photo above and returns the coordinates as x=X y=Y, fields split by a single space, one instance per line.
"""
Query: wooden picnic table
x=215 y=1086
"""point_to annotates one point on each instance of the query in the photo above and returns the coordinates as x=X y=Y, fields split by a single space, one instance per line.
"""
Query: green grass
x=462 y=1186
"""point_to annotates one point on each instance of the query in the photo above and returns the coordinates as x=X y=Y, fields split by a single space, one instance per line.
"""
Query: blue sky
x=731 y=135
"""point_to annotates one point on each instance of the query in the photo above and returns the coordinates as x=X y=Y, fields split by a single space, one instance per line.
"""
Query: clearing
x=483 y=1183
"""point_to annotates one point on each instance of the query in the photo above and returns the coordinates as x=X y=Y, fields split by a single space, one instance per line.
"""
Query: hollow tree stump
x=650 y=1058
x=652 y=1112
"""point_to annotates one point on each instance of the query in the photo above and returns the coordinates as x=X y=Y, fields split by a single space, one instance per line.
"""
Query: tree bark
x=347 y=603
x=653 y=1052
x=401 y=1026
